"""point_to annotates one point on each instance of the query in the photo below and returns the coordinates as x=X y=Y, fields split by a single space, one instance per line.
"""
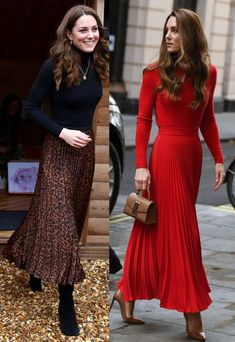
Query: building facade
x=144 y=23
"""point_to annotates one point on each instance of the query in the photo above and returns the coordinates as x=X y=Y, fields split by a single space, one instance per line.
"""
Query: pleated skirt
x=164 y=260
x=46 y=244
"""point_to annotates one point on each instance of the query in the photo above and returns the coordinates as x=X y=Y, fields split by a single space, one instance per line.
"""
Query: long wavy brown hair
x=65 y=57
x=193 y=58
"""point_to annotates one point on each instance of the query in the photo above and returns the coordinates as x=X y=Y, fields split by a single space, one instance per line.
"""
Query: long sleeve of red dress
x=144 y=119
x=208 y=125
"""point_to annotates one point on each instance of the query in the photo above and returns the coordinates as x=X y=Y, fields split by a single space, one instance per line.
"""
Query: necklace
x=85 y=73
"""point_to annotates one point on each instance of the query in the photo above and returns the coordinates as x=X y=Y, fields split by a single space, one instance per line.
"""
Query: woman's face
x=172 y=36
x=85 y=33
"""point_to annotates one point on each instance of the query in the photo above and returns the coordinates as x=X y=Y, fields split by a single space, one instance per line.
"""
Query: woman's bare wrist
x=62 y=133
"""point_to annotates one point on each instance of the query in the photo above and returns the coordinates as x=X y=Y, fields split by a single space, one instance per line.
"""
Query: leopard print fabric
x=46 y=244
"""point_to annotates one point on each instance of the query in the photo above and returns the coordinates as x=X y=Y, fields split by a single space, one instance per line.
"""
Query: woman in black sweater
x=46 y=244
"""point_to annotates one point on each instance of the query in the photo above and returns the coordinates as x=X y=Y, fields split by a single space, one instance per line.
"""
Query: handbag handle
x=139 y=191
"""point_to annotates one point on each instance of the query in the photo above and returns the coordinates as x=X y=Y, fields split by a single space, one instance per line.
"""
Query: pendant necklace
x=85 y=73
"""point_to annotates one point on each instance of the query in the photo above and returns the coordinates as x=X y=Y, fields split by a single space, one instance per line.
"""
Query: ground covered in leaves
x=26 y=316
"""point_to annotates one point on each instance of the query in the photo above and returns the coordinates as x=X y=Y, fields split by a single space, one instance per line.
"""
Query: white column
x=205 y=12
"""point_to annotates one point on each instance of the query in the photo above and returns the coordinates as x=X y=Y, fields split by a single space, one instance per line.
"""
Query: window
x=190 y=4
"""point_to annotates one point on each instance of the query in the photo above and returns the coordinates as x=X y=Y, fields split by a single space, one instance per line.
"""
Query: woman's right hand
x=142 y=179
x=74 y=138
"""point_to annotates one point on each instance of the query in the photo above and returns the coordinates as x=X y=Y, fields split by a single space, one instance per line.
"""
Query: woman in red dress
x=164 y=260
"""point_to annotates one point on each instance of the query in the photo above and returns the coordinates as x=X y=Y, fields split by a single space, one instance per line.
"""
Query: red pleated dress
x=164 y=260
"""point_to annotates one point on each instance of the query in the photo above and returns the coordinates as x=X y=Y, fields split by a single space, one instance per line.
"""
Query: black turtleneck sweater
x=71 y=107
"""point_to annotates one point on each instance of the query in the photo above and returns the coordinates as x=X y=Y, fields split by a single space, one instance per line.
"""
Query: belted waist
x=193 y=132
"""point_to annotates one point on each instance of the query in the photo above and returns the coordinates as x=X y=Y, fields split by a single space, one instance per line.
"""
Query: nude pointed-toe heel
x=194 y=327
x=126 y=309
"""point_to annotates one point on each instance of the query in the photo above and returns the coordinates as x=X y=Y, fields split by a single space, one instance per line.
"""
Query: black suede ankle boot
x=67 y=315
x=35 y=283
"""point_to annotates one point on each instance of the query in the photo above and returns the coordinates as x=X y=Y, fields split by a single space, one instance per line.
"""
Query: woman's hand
x=142 y=179
x=219 y=175
x=74 y=138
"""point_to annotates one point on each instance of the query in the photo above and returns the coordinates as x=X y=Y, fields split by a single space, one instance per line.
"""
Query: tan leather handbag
x=142 y=209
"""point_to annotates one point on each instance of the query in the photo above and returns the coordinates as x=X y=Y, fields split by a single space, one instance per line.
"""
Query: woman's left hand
x=219 y=175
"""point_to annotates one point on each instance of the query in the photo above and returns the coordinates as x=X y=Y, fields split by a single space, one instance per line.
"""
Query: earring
x=71 y=42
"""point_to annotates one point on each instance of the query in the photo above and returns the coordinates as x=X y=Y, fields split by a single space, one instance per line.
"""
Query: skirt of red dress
x=164 y=260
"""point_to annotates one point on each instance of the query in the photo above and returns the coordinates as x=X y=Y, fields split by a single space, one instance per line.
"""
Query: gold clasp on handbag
x=135 y=207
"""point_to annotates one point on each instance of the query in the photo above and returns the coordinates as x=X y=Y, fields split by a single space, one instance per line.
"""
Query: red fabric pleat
x=164 y=261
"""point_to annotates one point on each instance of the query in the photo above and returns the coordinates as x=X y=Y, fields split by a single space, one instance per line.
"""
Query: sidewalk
x=217 y=228
x=225 y=121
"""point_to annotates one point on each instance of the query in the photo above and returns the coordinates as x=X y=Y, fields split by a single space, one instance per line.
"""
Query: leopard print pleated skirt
x=46 y=244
